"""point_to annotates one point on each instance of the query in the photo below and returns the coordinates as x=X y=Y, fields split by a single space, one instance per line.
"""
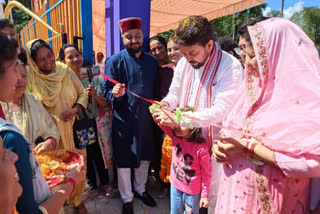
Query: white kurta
x=226 y=82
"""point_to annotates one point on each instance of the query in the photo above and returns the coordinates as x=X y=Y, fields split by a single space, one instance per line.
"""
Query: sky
x=290 y=6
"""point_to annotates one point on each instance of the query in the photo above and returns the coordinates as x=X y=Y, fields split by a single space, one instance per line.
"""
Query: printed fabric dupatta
x=204 y=92
x=280 y=107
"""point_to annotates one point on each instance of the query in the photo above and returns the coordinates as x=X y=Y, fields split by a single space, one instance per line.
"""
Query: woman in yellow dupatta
x=62 y=94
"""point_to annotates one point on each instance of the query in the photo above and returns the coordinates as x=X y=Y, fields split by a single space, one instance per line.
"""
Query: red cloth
x=1 y=113
x=130 y=23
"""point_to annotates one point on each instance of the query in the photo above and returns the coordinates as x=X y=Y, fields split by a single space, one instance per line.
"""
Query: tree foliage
x=309 y=20
x=227 y=26
x=274 y=13
x=20 y=18
x=166 y=35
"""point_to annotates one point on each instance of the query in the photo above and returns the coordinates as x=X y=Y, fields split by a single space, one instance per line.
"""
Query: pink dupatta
x=282 y=107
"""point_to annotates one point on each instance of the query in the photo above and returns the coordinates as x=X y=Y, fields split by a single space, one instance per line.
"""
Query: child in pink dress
x=190 y=170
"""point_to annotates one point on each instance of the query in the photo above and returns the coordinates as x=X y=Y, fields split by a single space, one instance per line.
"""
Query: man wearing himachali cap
x=132 y=125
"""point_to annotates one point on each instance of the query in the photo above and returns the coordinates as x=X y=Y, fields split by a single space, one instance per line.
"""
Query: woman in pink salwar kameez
x=270 y=143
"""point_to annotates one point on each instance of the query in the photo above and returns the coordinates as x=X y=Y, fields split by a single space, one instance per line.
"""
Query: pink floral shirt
x=190 y=166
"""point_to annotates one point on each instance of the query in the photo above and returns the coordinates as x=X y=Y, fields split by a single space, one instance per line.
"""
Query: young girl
x=190 y=169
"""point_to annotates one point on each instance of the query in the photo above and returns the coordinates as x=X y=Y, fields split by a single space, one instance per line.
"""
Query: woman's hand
x=218 y=155
x=118 y=90
x=79 y=173
x=68 y=115
x=225 y=148
x=91 y=90
x=45 y=146
x=164 y=117
x=204 y=202
x=233 y=146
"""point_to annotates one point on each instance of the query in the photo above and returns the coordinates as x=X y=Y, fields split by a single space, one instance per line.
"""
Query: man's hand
x=164 y=117
x=118 y=90
x=163 y=104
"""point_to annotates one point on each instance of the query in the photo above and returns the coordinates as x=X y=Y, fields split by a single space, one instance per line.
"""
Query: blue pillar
x=35 y=31
x=28 y=34
x=86 y=30
x=120 y=9
x=49 y=23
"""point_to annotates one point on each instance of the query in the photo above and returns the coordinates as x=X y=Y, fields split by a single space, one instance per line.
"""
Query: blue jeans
x=183 y=203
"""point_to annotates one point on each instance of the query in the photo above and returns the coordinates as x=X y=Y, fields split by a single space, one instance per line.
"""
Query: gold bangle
x=43 y=210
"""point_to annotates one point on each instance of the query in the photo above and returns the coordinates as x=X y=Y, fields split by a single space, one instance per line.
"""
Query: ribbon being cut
x=180 y=116
x=134 y=94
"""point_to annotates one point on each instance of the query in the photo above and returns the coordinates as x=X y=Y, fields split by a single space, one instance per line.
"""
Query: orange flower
x=166 y=159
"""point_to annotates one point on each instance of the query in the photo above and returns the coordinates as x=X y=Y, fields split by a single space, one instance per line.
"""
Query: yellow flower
x=166 y=159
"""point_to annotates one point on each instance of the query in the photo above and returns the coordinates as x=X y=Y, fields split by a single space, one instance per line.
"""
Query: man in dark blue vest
x=132 y=128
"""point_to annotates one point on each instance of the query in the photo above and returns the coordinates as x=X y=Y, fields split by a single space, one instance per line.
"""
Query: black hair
x=4 y=22
x=100 y=53
x=196 y=136
x=158 y=38
x=194 y=30
x=36 y=46
x=64 y=47
x=228 y=44
x=195 y=133
x=9 y=47
x=23 y=56
x=243 y=30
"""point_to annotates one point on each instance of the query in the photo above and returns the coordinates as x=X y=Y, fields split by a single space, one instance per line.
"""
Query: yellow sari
x=59 y=91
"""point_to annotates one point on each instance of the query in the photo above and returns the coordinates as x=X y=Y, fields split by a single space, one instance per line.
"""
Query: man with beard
x=132 y=128
x=205 y=79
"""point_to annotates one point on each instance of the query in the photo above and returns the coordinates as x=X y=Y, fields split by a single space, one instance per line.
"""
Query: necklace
x=15 y=105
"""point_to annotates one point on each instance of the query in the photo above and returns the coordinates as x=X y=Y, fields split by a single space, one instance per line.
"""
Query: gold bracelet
x=43 y=210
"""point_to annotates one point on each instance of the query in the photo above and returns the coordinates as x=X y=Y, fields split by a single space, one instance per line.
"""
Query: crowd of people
x=233 y=128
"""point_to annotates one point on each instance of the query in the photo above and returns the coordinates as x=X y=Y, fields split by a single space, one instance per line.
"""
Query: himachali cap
x=130 y=23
